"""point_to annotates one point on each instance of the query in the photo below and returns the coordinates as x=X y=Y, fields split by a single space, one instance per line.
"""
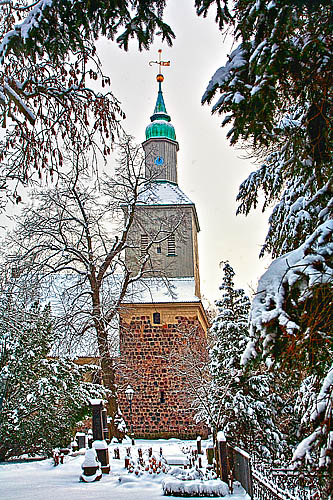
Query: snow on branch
x=304 y=268
x=236 y=61
x=321 y=414
x=19 y=103
x=23 y=29
x=324 y=398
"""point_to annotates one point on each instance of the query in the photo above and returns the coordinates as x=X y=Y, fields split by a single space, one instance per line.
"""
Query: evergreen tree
x=42 y=397
x=230 y=327
x=276 y=91
x=239 y=398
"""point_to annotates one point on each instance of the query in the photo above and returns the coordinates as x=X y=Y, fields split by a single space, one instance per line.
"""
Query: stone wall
x=161 y=405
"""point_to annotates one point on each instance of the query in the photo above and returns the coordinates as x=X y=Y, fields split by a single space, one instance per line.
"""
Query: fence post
x=199 y=445
x=242 y=468
x=222 y=456
x=210 y=455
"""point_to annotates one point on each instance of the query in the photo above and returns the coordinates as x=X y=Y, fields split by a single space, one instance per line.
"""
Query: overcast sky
x=209 y=170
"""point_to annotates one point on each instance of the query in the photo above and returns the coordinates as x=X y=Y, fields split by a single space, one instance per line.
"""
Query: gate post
x=222 y=456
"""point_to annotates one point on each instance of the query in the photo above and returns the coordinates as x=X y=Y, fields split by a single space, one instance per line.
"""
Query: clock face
x=159 y=160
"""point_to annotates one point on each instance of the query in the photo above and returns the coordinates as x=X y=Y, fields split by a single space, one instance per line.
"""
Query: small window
x=171 y=245
x=144 y=244
x=159 y=250
x=157 y=318
x=162 y=397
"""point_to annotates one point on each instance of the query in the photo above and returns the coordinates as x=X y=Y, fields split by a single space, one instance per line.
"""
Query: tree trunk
x=108 y=376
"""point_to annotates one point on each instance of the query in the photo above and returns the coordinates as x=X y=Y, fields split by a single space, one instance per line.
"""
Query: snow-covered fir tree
x=239 y=398
x=42 y=398
x=275 y=90
x=230 y=327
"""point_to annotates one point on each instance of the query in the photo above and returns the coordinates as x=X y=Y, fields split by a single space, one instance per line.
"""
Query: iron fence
x=283 y=484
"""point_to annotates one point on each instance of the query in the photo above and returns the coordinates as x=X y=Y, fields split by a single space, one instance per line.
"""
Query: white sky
x=209 y=170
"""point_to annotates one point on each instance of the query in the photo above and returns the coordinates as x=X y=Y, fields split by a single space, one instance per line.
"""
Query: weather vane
x=161 y=63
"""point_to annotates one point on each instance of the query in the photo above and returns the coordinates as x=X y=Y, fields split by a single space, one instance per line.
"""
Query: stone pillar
x=105 y=425
x=199 y=445
x=102 y=451
x=97 y=421
x=90 y=438
x=81 y=439
x=99 y=444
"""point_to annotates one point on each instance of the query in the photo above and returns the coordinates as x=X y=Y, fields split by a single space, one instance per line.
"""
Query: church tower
x=163 y=324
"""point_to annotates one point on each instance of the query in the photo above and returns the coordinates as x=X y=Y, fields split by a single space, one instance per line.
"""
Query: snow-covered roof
x=164 y=193
x=160 y=290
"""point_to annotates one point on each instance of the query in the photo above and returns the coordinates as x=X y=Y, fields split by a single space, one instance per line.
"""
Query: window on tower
x=156 y=318
x=143 y=244
x=171 y=245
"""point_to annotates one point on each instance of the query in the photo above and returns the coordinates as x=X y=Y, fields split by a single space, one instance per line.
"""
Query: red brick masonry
x=154 y=363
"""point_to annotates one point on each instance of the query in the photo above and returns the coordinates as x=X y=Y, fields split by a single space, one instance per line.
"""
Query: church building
x=163 y=325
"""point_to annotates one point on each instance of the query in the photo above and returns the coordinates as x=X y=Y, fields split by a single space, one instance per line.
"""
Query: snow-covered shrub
x=44 y=397
x=194 y=487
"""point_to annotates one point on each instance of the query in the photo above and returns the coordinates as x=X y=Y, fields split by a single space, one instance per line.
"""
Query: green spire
x=160 y=112
x=160 y=126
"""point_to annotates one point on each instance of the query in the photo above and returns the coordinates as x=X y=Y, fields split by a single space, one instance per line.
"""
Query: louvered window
x=171 y=245
x=144 y=244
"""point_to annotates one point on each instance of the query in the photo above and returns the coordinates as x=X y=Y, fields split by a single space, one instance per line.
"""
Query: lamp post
x=129 y=396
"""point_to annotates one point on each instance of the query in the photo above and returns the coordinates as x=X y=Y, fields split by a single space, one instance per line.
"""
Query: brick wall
x=161 y=403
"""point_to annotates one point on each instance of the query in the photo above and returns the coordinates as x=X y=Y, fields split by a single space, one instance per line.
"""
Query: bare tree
x=189 y=360
x=52 y=86
x=72 y=240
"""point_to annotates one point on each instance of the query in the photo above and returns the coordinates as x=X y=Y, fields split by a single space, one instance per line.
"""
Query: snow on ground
x=42 y=481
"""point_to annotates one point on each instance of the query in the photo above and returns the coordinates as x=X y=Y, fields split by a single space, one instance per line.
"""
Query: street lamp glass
x=129 y=393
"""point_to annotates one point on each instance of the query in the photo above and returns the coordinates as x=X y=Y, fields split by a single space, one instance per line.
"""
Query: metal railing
x=283 y=484
x=260 y=479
